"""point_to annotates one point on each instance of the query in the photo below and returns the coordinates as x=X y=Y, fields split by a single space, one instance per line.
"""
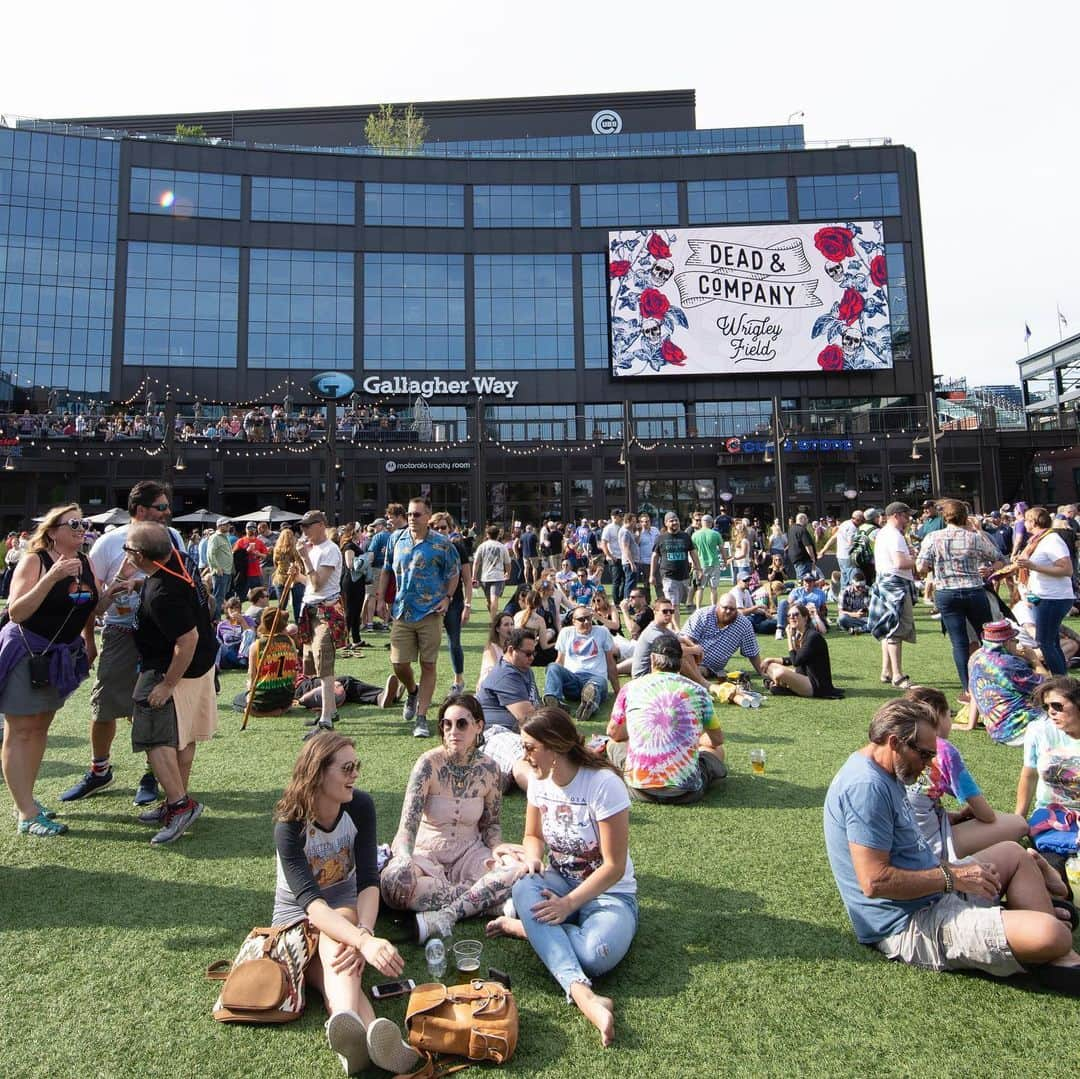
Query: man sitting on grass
x=663 y=732
x=584 y=665
x=721 y=632
x=937 y=915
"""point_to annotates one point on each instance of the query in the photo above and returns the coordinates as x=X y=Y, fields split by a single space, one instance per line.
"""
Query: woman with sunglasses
x=1051 y=771
x=498 y=636
x=531 y=617
x=324 y=834
x=46 y=648
x=580 y=913
x=446 y=864
x=807 y=671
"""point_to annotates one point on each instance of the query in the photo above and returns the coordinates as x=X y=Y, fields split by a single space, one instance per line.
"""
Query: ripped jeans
x=592 y=941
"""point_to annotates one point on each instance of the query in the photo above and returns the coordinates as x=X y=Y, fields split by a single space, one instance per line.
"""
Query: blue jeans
x=849 y=621
x=802 y=566
x=631 y=578
x=567 y=686
x=297 y=600
x=958 y=607
x=1049 y=614
x=221 y=590
x=590 y=942
x=452 y=625
x=763 y=623
x=846 y=570
x=616 y=580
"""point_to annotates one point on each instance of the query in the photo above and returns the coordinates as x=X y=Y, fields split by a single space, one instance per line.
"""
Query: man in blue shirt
x=425 y=568
x=721 y=632
x=902 y=901
x=812 y=596
x=395 y=520
x=508 y=695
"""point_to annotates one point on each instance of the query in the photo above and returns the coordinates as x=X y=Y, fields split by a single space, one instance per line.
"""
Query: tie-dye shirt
x=1001 y=685
x=1055 y=755
x=946 y=774
x=664 y=715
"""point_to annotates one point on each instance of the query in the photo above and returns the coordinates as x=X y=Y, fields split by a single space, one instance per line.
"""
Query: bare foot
x=505 y=927
x=1054 y=884
x=600 y=1011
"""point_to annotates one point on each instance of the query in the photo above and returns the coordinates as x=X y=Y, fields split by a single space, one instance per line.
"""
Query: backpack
x=478 y=1021
x=862 y=551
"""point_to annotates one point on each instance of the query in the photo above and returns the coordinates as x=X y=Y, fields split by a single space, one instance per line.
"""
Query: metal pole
x=778 y=466
x=331 y=462
x=935 y=462
x=627 y=475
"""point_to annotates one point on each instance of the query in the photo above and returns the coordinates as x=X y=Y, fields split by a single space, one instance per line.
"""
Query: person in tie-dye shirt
x=1001 y=683
x=664 y=733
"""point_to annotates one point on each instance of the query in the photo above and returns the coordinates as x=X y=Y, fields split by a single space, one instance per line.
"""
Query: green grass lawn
x=744 y=962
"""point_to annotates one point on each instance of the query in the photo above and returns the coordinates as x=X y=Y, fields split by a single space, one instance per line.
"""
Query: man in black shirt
x=174 y=703
x=672 y=557
x=802 y=550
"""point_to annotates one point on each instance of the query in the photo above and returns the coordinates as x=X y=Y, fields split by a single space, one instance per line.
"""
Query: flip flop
x=903 y=682
x=1063 y=904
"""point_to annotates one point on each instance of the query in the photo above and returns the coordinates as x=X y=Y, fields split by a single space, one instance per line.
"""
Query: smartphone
x=393 y=989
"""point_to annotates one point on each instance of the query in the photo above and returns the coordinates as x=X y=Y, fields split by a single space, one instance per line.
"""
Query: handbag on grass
x=478 y=1021
x=265 y=982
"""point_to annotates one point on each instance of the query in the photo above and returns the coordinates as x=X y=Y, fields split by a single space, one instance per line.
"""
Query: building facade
x=464 y=286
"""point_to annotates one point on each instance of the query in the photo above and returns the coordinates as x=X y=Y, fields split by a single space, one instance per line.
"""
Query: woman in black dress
x=806 y=672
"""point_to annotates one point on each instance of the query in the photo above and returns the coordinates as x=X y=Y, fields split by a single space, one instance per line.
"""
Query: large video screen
x=749 y=299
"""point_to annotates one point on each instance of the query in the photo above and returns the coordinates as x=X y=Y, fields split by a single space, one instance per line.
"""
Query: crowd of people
x=622 y=610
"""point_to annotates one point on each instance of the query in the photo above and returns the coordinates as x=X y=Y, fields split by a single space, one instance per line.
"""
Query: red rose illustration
x=672 y=353
x=653 y=304
x=619 y=269
x=831 y=358
x=879 y=271
x=657 y=248
x=834 y=243
x=850 y=306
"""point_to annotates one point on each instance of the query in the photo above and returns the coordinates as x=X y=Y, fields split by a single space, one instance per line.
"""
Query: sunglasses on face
x=76 y=525
x=161 y=507
x=926 y=755
x=350 y=768
x=582 y=619
x=665 y=610
x=415 y=514
x=461 y=724
x=522 y=652
x=1056 y=706
x=132 y=550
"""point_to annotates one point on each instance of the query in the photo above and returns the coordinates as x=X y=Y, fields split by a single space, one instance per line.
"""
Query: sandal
x=1064 y=905
x=886 y=680
x=41 y=827
x=903 y=682
x=42 y=811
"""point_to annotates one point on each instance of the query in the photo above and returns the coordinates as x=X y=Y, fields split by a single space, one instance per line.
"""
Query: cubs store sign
x=722 y=301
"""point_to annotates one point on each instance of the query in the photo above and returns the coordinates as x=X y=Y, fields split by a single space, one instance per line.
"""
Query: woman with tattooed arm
x=449 y=861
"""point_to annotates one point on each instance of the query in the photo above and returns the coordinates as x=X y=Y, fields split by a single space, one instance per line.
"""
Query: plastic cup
x=467 y=955
x=757 y=761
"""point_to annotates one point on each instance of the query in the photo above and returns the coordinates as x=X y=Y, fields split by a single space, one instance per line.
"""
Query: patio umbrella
x=270 y=514
x=111 y=517
x=198 y=517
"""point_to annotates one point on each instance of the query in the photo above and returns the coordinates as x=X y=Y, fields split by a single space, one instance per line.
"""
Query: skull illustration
x=661 y=271
x=650 y=330
x=851 y=341
x=836 y=271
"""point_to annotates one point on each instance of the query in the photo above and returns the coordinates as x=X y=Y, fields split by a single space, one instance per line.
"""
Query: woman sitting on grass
x=531 y=617
x=580 y=914
x=954 y=835
x=326 y=872
x=496 y=644
x=807 y=671
x=230 y=635
x=445 y=864
x=272 y=667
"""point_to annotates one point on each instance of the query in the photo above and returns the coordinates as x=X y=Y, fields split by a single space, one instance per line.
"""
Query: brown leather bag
x=265 y=983
x=478 y=1021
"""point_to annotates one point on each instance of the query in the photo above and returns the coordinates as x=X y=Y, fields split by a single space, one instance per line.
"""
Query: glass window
x=858 y=195
x=300 y=309
x=534 y=423
x=419 y=205
x=660 y=420
x=530 y=503
x=603 y=421
x=524 y=311
x=727 y=419
x=414 y=312
x=185 y=194
x=57 y=264
x=594 y=310
x=629 y=204
x=182 y=304
x=323 y=202
x=899 y=321
x=521 y=206
x=733 y=201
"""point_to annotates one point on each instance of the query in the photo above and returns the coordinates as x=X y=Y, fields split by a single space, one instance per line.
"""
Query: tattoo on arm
x=490 y=825
x=412 y=809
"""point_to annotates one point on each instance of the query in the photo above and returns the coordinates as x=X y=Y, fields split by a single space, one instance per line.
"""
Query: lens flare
x=167 y=199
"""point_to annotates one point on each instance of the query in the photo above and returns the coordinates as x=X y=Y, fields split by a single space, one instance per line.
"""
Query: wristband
x=364 y=929
x=950 y=884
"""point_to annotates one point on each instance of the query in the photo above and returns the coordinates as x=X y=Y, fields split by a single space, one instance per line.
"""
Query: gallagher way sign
x=439 y=387
x=721 y=301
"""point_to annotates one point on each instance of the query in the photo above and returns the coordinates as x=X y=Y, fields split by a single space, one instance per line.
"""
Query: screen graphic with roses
x=703 y=301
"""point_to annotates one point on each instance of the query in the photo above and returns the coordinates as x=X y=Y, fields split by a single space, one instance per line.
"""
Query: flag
x=1027 y=333
x=1062 y=319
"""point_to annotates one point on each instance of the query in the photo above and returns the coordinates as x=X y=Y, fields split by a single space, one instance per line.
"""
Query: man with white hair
x=843 y=538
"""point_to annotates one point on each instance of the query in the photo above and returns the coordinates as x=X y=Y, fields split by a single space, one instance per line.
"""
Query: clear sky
x=984 y=93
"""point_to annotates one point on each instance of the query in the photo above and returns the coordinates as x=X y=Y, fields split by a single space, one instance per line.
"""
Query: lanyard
x=183 y=575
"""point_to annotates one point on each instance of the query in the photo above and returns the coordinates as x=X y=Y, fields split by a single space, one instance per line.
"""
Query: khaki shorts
x=410 y=641
x=955 y=933
x=117 y=671
x=319 y=655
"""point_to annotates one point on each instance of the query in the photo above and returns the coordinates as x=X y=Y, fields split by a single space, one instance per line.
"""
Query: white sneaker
x=779 y=634
x=347 y=1037
x=388 y=1051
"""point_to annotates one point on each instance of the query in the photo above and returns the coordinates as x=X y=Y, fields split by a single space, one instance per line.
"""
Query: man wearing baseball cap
x=894 y=565
x=809 y=593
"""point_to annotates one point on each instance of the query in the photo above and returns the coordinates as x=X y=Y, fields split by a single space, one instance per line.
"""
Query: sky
x=982 y=92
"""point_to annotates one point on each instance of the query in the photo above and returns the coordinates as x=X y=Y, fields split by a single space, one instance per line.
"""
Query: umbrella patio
x=198 y=517
x=111 y=517
x=270 y=514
